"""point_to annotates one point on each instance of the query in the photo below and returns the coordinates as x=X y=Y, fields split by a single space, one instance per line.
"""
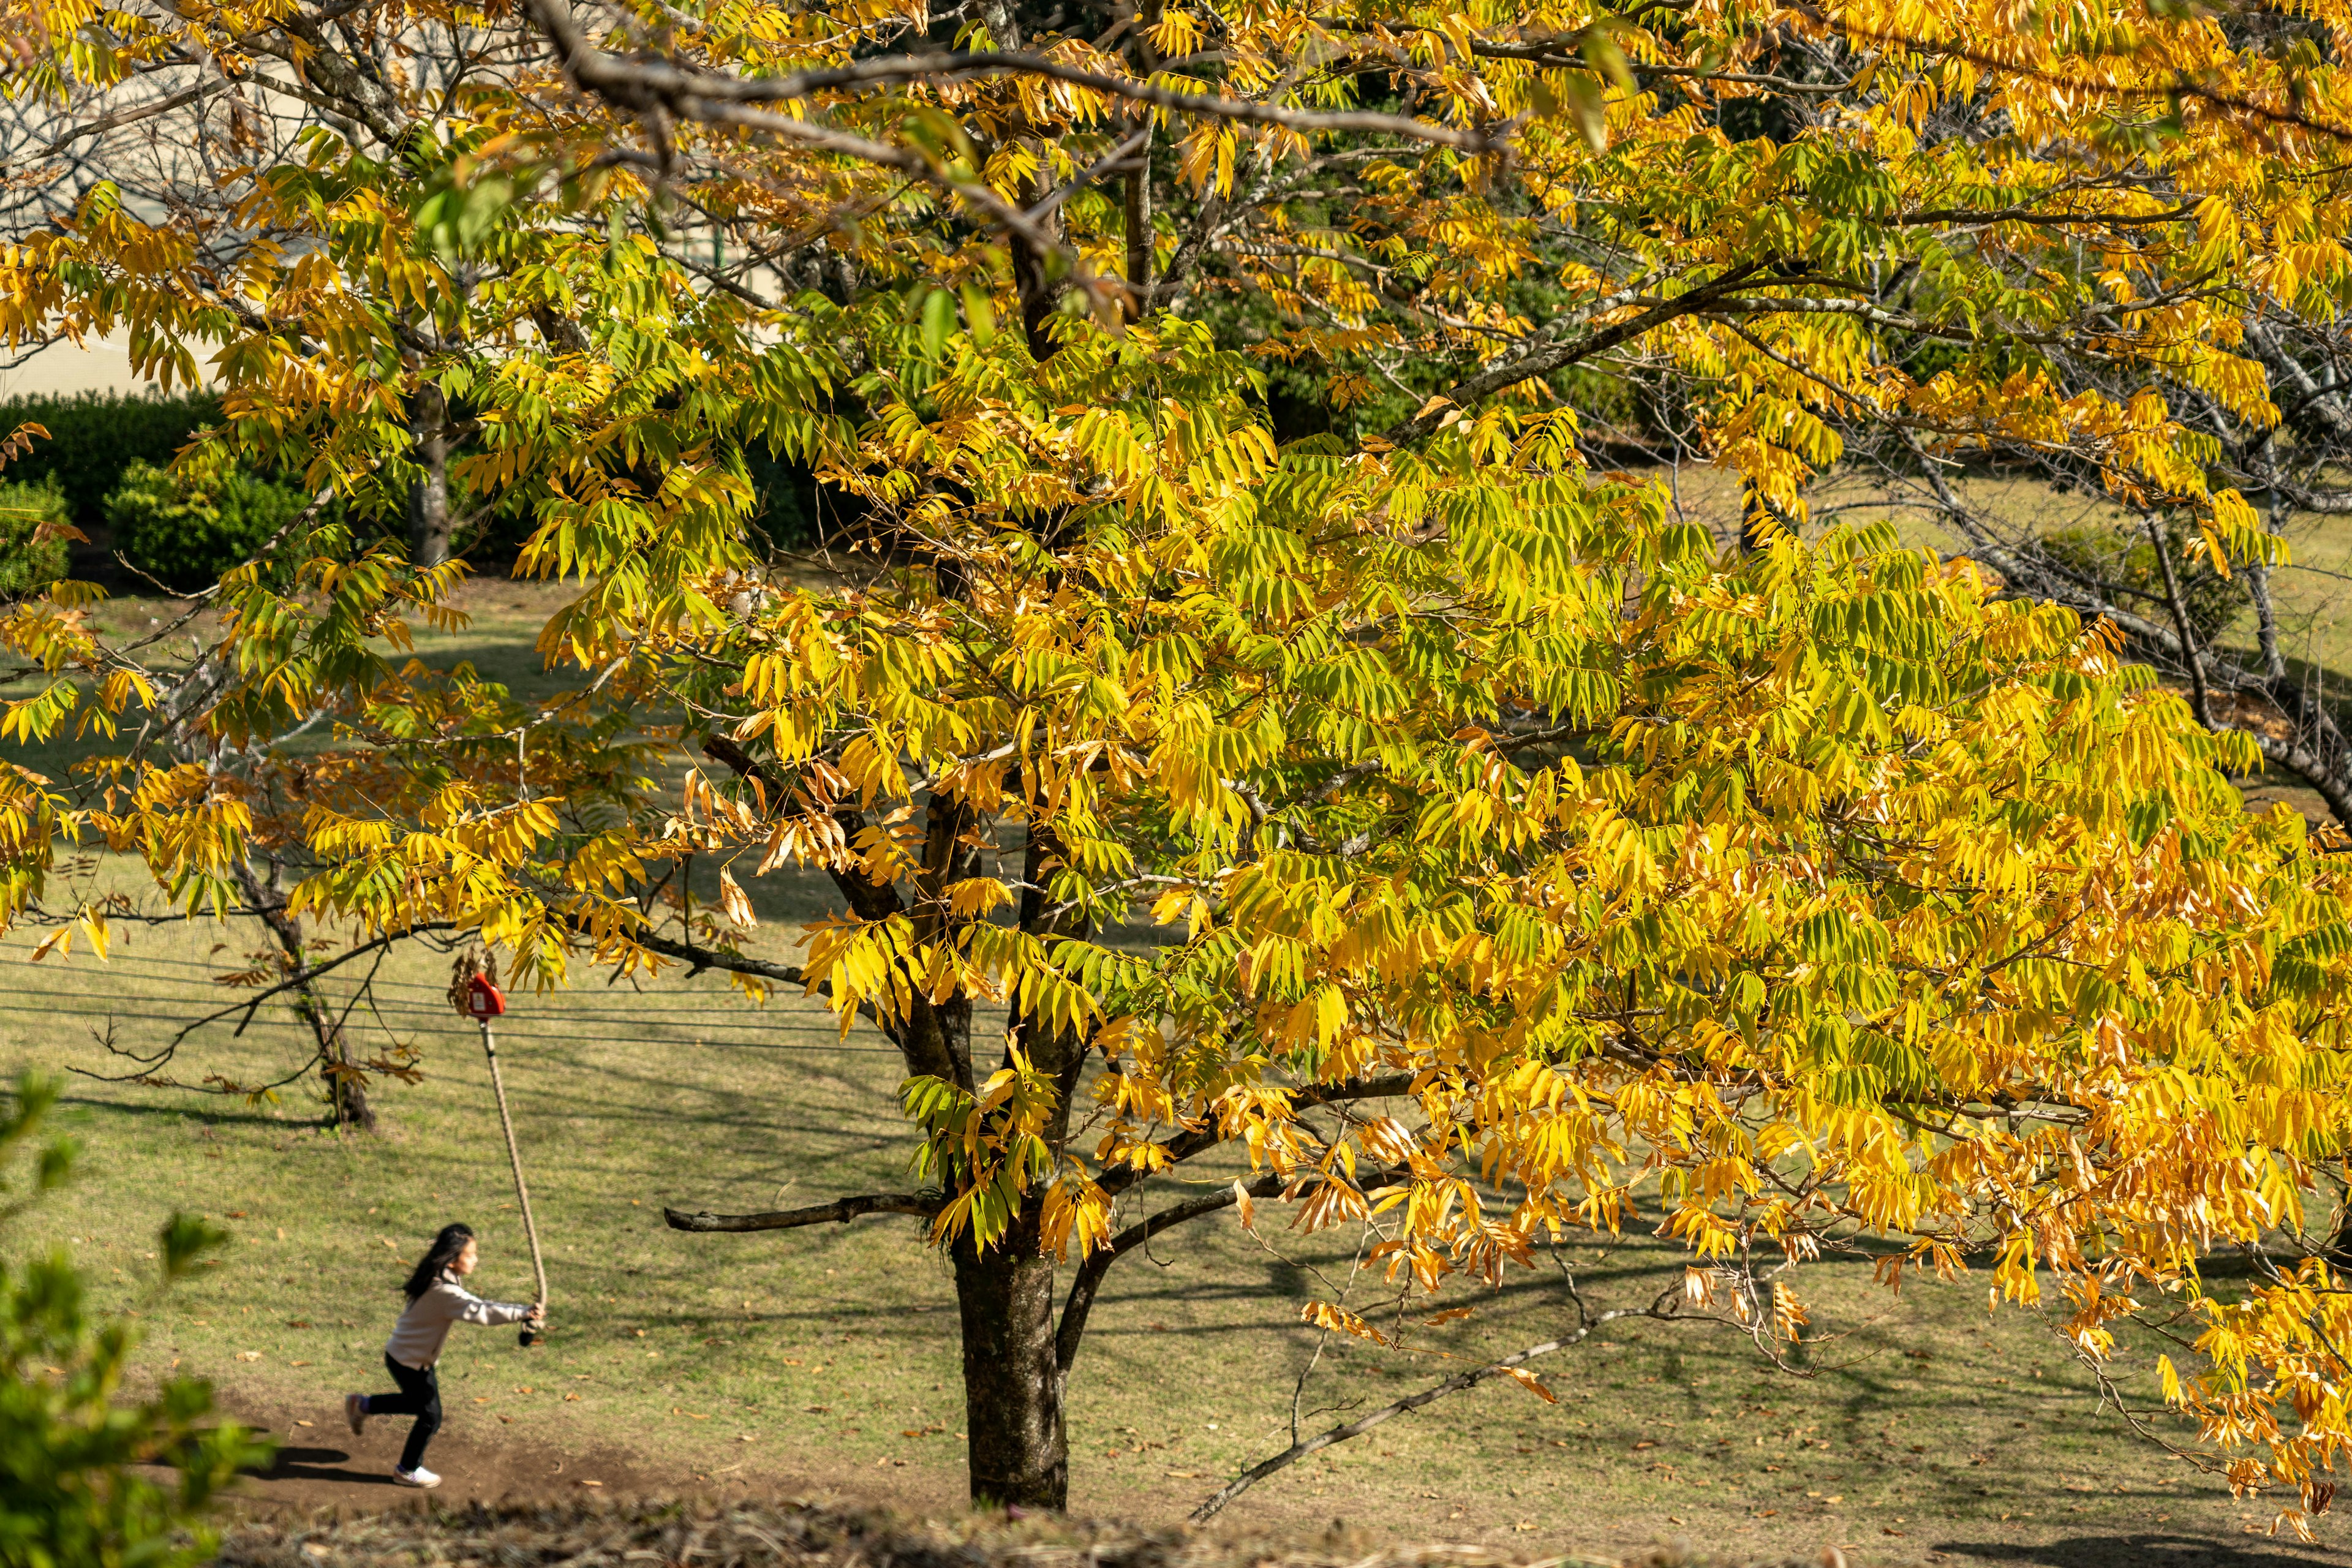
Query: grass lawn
x=1932 y=1425
x=1929 y=1429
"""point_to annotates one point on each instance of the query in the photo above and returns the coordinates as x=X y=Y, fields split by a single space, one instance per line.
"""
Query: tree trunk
x=346 y=1085
x=428 y=498
x=1140 y=242
x=1011 y=1371
x=1019 y=1452
x=347 y=1095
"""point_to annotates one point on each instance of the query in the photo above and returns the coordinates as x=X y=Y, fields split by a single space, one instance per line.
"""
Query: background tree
x=1407 y=807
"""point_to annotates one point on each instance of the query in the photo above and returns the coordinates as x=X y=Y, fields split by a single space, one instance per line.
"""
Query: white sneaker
x=420 y=1477
x=355 y=1412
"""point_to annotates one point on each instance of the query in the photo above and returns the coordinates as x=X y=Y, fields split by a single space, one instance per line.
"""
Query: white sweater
x=417 y=1338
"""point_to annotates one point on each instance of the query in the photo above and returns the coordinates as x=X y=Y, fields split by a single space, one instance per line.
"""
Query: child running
x=436 y=1299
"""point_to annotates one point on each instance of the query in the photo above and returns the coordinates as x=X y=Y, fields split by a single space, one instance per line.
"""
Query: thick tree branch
x=1185 y=1145
x=640 y=82
x=841 y=1211
x=869 y=900
x=704 y=958
x=1544 y=360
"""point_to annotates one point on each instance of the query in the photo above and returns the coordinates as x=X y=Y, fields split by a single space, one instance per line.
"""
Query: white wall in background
x=101 y=365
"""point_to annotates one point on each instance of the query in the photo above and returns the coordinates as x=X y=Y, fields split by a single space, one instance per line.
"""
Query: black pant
x=419 y=1395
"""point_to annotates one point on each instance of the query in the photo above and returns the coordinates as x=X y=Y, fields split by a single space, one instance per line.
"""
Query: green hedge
x=188 y=534
x=785 y=504
x=94 y=436
x=27 y=564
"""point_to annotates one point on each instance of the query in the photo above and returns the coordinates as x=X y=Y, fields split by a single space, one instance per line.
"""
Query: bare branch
x=841 y=1211
x=640 y=82
x=1543 y=360
x=1460 y=1381
x=1089 y=1280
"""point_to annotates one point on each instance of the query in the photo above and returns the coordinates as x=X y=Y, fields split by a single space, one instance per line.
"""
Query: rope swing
x=474 y=992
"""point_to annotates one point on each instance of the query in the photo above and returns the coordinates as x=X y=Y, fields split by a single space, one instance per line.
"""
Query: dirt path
x=320 y=1465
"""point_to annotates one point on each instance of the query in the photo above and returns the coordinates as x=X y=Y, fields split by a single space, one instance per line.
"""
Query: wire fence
x=399 y=1005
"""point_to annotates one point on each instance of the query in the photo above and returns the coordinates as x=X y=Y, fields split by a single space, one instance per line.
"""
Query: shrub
x=26 y=563
x=785 y=505
x=2122 y=562
x=94 y=436
x=187 y=533
x=67 y=1494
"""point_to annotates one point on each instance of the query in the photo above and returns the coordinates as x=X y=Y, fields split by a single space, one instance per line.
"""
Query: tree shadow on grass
x=2142 y=1548
x=196 y=1113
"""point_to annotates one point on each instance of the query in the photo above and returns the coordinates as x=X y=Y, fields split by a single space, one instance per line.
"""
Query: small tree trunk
x=2199 y=700
x=1019 y=1452
x=428 y=498
x=346 y=1085
x=347 y=1096
x=1138 y=230
x=1138 y=181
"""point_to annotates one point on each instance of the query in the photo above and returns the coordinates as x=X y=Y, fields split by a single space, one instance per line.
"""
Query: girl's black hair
x=439 y=1257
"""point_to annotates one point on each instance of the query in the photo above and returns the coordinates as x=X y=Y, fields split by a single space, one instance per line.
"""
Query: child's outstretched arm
x=472 y=1308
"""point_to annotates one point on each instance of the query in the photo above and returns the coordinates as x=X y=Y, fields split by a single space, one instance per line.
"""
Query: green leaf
x=939 y=320
x=55 y=1168
x=980 y=315
x=183 y=1240
x=1601 y=53
x=1586 y=102
x=456 y=220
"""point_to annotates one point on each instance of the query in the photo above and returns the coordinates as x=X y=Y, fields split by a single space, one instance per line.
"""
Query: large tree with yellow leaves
x=1214 y=410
